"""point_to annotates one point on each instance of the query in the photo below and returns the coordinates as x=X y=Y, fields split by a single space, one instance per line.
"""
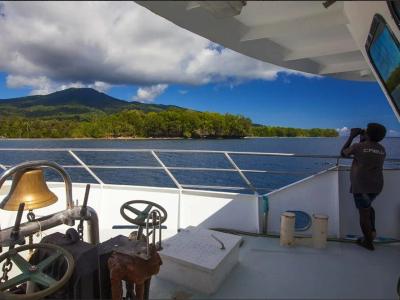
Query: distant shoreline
x=168 y=138
x=180 y=138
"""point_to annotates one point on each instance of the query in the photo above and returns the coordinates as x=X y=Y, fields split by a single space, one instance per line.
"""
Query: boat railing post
x=76 y=157
x=175 y=181
x=93 y=223
x=245 y=179
x=264 y=216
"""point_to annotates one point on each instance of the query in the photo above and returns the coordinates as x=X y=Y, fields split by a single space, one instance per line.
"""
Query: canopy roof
x=299 y=35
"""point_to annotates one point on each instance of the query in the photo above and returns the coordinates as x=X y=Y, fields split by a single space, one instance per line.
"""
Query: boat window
x=384 y=52
x=303 y=220
x=394 y=7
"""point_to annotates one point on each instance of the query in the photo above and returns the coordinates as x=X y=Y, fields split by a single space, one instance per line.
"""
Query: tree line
x=136 y=124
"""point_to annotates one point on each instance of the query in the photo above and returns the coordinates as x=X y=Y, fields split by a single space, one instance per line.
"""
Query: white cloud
x=42 y=85
x=393 y=133
x=148 y=94
x=56 y=44
x=183 y=92
x=344 y=131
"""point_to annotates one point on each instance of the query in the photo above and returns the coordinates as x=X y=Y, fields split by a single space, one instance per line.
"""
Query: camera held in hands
x=356 y=131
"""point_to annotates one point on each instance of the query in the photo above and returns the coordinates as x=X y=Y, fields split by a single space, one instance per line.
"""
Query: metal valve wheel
x=141 y=215
x=34 y=273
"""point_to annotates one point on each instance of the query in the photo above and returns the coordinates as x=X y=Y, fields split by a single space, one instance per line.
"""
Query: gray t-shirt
x=366 y=173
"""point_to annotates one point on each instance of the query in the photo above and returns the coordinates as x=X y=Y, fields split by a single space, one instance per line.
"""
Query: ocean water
x=276 y=171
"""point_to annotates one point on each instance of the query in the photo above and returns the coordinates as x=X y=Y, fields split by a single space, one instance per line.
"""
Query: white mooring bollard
x=287 y=229
x=319 y=230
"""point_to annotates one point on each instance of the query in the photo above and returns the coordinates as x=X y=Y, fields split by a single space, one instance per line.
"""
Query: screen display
x=384 y=52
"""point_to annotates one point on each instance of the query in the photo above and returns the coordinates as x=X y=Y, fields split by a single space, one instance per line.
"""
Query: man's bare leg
x=366 y=227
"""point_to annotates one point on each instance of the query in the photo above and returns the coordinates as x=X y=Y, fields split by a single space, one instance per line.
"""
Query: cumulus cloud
x=50 y=45
x=148 y=94
x=344 y=131
x=393 y=133
x=42 y=85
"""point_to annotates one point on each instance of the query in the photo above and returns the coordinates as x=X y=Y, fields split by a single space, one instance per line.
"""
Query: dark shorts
x=364 y=200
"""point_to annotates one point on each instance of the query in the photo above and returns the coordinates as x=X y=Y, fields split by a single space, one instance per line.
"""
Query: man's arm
x=346 y=149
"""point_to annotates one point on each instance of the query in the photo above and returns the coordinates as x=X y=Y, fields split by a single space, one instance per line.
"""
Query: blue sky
x=103 y=47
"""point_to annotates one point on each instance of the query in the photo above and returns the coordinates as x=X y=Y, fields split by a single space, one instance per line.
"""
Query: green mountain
x=71 y=103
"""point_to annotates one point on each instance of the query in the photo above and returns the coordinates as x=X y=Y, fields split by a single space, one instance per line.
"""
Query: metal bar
x=184 y=151
x=241 y=173
x=125 y=167
x=172 y=168
x=194 y=169
x=66 y=217
x=217 y=187
x=176 y=182
x=86 y=167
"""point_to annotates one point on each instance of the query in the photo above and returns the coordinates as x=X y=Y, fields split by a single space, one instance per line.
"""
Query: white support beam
x=297 y=27
x=344 y=46
x=192 y=5
x=366 y=72
x=343 y=67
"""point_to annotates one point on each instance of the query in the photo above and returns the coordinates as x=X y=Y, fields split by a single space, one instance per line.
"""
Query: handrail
x=184 y=151
x=228 y=155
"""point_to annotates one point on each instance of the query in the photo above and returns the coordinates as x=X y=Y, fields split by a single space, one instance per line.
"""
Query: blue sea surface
x=276 y=171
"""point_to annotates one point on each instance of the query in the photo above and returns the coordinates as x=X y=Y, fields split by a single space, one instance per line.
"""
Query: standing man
x=366 y=175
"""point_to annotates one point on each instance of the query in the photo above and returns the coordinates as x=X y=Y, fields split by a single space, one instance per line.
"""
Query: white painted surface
x=339 y=271
x=211 y=210
x=194 y=259
x=300 y=35
x=316 y=194
x=268 y=271
x=198 y=208
x=325 y=193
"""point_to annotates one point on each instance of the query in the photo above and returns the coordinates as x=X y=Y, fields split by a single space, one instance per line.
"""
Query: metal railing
x=234 y=167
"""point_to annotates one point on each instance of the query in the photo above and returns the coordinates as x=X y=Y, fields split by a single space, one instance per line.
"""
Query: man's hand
x=346 y=150
x=355 y=131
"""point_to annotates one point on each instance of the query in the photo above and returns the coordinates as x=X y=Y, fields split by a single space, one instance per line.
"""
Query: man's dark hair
x=376 y=132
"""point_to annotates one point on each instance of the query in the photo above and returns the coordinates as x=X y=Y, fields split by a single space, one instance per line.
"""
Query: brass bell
x=30 y=187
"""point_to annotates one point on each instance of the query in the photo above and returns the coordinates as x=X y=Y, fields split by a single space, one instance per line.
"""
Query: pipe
x=92 y=225
x=287 y=229
x=319 y=231
x=40 y=164
x=275 y=235
x=265 y=208
x=66 y=217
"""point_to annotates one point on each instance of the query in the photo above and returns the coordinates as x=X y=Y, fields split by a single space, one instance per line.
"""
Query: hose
x=272 y=235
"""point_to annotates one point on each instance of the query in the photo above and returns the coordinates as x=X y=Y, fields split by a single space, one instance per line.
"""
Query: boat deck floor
x=267 y=270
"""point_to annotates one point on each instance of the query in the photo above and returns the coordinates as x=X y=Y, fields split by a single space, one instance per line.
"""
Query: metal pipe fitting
x=153 y=215
x=66 y=217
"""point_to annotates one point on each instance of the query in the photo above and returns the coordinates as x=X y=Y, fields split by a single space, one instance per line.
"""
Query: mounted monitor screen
x=384 y=52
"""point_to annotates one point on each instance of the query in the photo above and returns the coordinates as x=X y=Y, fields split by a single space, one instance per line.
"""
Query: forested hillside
x=134 y=123
x=81 y=113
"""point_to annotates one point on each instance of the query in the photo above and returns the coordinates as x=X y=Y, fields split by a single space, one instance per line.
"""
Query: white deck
x=266 y=270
